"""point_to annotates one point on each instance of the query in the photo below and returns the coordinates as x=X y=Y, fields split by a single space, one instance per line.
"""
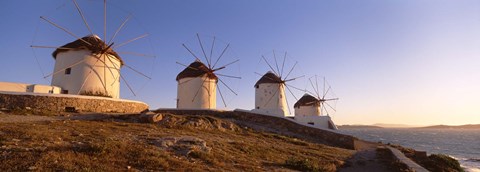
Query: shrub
x=95 y=93
x=446 y=161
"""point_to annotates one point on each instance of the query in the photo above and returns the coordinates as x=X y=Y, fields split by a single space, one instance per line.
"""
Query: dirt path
x=365 y=159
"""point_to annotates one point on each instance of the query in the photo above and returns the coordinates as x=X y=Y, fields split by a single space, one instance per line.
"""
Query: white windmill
x=270 y=97
x=198 y=82
x=90 y=65
x=314 y=111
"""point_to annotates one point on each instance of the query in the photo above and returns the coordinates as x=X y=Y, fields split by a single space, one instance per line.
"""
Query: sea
x=461 y=144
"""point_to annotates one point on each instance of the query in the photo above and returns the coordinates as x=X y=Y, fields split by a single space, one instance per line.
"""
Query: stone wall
x=62 y=103
x=275 y=125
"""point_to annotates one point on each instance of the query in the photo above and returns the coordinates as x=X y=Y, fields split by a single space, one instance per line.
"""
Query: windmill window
x=68 y=71
x=258 y=107
x=64 y=91
x=311 y=123
x=256 y=86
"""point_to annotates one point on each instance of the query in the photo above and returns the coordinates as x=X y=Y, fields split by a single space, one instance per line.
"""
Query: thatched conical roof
x=96 y=47
x=196 y=69
x=269 y=77
x=307 y=100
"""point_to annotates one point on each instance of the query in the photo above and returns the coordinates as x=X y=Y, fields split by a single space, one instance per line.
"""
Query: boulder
x=150 y=117
x=183 y=145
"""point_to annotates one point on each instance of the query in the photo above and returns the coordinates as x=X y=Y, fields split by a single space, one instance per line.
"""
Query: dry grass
x=111 y=145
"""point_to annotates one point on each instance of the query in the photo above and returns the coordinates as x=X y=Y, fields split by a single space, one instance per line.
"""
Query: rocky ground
x=102 y=142
x=166 y=142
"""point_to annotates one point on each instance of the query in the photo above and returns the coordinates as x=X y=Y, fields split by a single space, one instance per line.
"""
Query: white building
x=29 y=88
x=270 y=98
x=307 y=112
x=197 y=87
x=91 y=68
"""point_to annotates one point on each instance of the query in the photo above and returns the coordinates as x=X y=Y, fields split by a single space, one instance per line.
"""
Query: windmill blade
x=304 y=90
x=211 y=49
x=119 y=28
x=273 y=95
x=330 y=106
x=76 y=63
x=221 y=95
x=288 y=107
x=41 y=46
x=273 y=70
x=203 y=50
x=283 y=63
x=131 y=40
x=86 y=78
x=228 y=64
x=329 y=87
x=276 y=64
x=316 y=91
x=323 y=86
x=116 y=68
x=228 y=87
x=190 y=51
x=70 y=33
x=230 y=76
x=137 y=71
x=291 y=69
x=325 y=108
x=199 y=88
x=288 y=80
x=135 y=54
x=105 y=65
x=330 y=99
x=83 y=17
x=105 y=20
x=221 y=55
x=128 y=85
x=292 y=93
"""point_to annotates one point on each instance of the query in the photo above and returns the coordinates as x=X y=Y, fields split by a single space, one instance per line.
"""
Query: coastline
x=433 y=141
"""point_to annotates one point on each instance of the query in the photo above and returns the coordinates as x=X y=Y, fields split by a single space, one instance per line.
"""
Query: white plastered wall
x=310 y=116
x=204 y=99
x=13 y=87
x=91 y=75
x=33 y=88
x=270 y=99
x=307 y=111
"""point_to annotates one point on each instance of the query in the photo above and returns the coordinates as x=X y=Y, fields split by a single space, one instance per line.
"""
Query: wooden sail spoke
x=131 y=40
x=221 y=55
x=273 y=70
x=199 y=88
x=136 y=71
x=119 y=28
x=229 y=76
x=62 y=28
x=135 y=54
x=190 y=51
x=227 y=86
x=221 y=95
x=83 y=17
x=203 y=50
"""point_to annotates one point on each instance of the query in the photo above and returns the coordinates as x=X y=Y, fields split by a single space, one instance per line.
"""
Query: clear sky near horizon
x=410 y=62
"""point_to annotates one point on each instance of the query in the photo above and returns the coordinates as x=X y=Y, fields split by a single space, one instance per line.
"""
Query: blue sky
x=413 y=62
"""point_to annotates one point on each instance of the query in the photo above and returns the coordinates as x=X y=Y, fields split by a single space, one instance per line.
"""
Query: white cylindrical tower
x=307 y=106
x=91 y=68
x=197 y=87
x=270 y=96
